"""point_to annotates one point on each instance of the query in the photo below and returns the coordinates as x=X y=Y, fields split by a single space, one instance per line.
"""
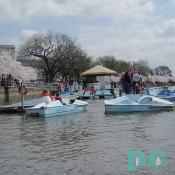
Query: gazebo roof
x=99 y=70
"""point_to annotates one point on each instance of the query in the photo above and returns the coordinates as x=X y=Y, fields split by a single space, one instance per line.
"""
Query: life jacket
x=47 y=94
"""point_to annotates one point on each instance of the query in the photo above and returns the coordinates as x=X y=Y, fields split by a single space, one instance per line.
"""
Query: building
x=7 y=51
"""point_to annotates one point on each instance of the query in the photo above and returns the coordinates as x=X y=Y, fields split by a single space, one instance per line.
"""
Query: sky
x=130 y=30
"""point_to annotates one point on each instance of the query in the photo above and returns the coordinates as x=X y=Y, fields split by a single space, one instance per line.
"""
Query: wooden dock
x=12 y=109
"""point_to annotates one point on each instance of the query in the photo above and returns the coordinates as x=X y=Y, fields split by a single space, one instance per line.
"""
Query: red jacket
x=58 y=98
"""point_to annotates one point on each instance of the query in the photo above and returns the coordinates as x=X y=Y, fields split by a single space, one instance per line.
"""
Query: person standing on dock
x=136 y=81
x=127 y=82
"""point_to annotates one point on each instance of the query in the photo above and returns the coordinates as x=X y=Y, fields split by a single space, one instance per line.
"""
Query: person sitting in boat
x=93 y=90
x=46 y=97
x=58 y=97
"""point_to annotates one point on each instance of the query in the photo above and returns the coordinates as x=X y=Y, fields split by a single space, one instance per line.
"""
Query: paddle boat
x=137 y=103
x=164 y=93
x=103 y=93
x=86 y=95
x=55 y=108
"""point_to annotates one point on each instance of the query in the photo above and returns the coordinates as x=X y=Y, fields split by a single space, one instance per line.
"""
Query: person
x=16 y=81
x=127 y=82
x=46 y=97
x=122 y=82
x=66 y=89
x=112 y=84
x=85 y=90
x=3 y=80
x=9 y=80
x=84 y=84
x=71 y=82
x=58 y=97
x=136 y=82
x=93 y=90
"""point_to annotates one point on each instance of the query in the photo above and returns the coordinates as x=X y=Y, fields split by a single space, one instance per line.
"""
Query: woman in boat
x=46 y=97
x=58 y=97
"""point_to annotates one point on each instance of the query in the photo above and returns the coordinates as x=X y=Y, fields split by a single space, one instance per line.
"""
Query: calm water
x=89 y=143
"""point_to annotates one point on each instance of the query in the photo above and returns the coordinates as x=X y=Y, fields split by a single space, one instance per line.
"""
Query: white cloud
x=26 y=33
x=135 y=42
x=135 y=31
x=25 y=11
x=17 y=40
x=167 y=29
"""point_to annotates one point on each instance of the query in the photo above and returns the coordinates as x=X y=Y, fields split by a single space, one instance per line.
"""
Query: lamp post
x=22 y=95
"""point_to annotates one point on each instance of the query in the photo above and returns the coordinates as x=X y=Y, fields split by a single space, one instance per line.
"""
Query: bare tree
x=56 y=53
x=163 y=71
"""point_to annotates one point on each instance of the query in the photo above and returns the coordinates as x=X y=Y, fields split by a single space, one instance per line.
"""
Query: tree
x=124 y=66
x=29 y=62
x=108 y=61
x=112 y=63
x=163 y=71
x=142 y=67
x=54 y=54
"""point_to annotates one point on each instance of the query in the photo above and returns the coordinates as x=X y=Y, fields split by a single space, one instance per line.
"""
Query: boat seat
x=71 y=101
x=145 y=100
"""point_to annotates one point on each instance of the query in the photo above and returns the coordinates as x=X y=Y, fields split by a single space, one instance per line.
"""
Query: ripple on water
x=83 y=143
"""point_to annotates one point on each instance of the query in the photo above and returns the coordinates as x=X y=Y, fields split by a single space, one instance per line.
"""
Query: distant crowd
x=68 y=86
x=132 y=82
x=9 y=80
x=62 y=87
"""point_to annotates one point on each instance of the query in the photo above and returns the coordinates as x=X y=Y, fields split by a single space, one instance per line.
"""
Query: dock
x=17 y=107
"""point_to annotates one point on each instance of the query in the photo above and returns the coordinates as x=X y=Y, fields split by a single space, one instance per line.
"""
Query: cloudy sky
x=128 y=29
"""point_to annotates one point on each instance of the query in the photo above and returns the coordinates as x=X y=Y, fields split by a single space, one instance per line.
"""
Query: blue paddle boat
x=137 y=103
x=103 y=93
x=166 y=94
x=87 y=94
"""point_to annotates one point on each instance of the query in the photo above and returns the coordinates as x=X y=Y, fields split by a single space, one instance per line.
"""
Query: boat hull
x=169 y=98
x=135 y=108
x=55 y=111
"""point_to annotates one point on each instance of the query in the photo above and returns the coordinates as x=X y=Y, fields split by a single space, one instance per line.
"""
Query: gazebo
x=99 y=70
x=98 y=74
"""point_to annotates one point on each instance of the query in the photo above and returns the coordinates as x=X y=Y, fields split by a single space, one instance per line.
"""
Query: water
x=89 y=143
